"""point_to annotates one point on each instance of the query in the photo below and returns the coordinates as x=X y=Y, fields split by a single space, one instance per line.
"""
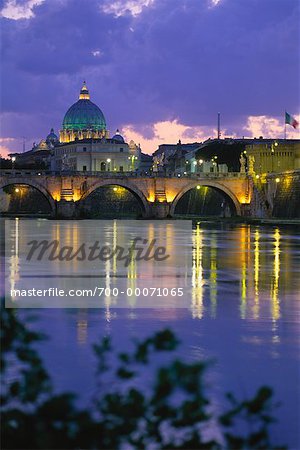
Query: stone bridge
x=158 y=195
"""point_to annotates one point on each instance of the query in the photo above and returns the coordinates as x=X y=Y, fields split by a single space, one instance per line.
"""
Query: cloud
x=150 y=136
x=4 y=148
x=97 y=53
x=12 y=138
x=3 y=140
x=123 y=7
x=214 y=2
x=270 y=127
x=15 y=10
x=184 y=62
x=167 y=132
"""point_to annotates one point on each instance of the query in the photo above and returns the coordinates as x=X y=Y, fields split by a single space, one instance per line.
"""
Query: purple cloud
x=150 y=61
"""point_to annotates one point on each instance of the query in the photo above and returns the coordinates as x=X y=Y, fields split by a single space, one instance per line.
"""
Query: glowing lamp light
x=200 y=161
x=13 y=158
x=198 y=186
x=151 y=198
x=277 y=180
x=276 y=143
x=17 y=190
x=115 y=189
x=195 y=162
x=108 y=160
x=257 y=177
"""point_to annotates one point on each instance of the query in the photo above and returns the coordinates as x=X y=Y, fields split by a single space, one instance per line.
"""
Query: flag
x=290 y=120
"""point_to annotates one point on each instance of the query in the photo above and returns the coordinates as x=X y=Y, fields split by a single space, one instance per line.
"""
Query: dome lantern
x=84 y=92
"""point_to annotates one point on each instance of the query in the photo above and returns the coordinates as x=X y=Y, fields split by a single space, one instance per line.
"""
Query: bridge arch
x=33 y=184
x=206 y=183
x=139 y=195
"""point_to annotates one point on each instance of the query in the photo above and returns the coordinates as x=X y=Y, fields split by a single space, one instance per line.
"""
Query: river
x=239 y=306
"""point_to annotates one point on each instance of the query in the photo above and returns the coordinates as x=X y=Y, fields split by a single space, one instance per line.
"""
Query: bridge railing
x=201 y=175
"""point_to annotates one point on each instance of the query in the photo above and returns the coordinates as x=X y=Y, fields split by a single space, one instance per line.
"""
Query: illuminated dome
x=52 y=139
x=83 y=120
x=118 y=137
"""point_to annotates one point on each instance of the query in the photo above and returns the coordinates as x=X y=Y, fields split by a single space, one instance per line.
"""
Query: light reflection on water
x=257 y=266
x=241 y=307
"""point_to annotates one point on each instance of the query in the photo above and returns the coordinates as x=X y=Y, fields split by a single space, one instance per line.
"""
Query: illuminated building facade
x=274 y=155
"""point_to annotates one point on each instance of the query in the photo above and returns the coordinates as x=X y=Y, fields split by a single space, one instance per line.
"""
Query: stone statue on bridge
x=243 y=163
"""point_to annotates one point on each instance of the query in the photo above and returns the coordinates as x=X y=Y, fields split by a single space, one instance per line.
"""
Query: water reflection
x=197 y=274
x=256 y=274
x=275 y=306
x=214 y=264
x=240 y=306
x=244 y=237
x=14 y=257
x=82 y=327
x=213 y=275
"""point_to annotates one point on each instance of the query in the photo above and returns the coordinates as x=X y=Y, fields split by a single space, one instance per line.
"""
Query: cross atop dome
x=84 y=93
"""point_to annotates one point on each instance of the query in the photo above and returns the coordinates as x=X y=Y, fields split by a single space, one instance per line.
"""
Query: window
x=84 y=149
x=121 y=168
x=84 y=168
x=121 y=150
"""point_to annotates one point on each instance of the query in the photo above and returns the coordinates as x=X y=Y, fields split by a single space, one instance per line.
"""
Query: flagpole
x=285 y=125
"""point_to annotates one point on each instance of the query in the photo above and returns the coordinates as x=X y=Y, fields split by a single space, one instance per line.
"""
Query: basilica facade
x=85 y=145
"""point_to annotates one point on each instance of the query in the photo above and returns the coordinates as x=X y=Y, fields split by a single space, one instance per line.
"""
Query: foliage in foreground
x=173 y=412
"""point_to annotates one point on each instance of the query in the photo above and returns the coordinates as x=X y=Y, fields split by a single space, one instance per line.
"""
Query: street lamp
x=132 y=158
x=200 y=162
x=13 y=160
x=108 y=164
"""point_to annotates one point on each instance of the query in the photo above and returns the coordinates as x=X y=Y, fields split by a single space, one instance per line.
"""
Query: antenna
x=219 y=130
x=24 y=140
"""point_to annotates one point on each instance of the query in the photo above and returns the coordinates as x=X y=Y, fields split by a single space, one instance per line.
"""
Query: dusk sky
x=160 y=70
